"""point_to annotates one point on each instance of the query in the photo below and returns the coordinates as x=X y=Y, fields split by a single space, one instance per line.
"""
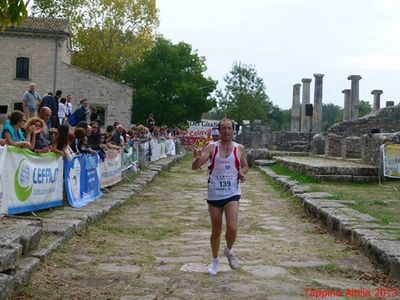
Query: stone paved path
x=157 y=247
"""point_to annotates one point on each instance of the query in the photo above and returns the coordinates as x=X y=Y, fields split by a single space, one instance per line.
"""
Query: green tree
x=169 y=83
x=244 y=97
x=331 y=114
x=107 y=35
x=364 y=108
x=12 y=12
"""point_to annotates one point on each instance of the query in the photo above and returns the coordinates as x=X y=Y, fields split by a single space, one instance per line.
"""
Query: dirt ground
x=156 y=246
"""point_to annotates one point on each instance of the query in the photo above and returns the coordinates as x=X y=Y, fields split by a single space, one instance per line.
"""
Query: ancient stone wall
x=371 y=144
x=386 y=119
x=352 y=147
x=333 y=145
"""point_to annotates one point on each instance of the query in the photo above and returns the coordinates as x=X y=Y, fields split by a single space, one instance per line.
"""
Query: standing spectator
x=62 y=111
x=30 y=101
x=82 y=111
x=68 y=104
x=117 y=138
x=150 y=123
x=93 y=114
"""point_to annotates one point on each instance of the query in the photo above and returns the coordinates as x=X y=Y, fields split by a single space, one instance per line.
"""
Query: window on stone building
x=22 y=68
x=101 y=113
x=18 y=106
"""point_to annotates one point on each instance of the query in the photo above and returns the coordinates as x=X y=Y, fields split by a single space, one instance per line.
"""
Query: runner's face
x=226 y=131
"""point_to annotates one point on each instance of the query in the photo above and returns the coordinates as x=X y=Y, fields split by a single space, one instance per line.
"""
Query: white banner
x=170 y=147
x=110 y=168
x=35 y=180
x=155 y=150
x=3 y=185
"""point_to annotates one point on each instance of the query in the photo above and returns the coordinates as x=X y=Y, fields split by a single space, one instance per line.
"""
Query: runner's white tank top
x=223 y=180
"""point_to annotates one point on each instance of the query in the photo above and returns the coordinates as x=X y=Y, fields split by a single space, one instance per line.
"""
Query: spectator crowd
x=49 y=123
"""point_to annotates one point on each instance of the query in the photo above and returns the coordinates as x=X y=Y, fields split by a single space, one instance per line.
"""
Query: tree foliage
x=331 y=114
x=244 y=97
x=12 y=13
x=108 y=35
x=169 y=83
x=364 y=108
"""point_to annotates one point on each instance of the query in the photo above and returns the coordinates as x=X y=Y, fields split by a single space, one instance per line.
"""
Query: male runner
x=228 y=167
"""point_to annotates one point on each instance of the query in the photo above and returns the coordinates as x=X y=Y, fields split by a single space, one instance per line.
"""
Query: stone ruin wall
x=386 y=119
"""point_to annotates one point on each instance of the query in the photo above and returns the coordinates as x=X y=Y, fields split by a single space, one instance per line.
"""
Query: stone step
x=346 y=178
x=319 y=166
x=264 y=162
x=17 y=237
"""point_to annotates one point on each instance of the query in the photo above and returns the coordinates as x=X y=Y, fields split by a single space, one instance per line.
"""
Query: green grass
x=294 y=175
x=381 y=201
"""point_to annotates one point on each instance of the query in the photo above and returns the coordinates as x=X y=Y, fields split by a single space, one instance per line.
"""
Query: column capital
x=319 y=75
x=297 y=85
x=306 y=80
x=377 y=92
x=346 y=91
x=354 y=77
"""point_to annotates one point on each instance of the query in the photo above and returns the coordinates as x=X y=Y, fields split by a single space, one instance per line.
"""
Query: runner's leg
x=216 y=224
x=231 y=215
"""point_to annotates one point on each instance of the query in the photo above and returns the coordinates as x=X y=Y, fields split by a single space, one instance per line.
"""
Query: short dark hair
x=110 y=128
x=59 y=93
x=63 y=100
x=16 y=116
x=80 y=133
x=226 y=120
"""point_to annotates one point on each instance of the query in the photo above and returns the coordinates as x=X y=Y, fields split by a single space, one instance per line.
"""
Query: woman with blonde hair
x=34 y=128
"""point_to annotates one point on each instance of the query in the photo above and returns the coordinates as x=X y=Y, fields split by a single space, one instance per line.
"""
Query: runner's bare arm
x=244 y=167
x=201 y=156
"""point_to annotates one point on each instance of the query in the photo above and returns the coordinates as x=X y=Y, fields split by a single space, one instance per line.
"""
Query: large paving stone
x=202 y=268
x=119 y=268
x=265 y=271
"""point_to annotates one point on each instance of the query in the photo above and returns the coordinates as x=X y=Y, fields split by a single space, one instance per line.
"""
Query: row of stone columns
x=301 y=122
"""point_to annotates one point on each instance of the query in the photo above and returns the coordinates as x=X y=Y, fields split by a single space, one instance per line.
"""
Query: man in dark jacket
x=82 y=111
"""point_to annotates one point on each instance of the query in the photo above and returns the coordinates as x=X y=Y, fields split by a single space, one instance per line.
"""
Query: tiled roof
x=43 y=25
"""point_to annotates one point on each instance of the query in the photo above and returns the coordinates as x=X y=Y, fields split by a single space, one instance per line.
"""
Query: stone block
x=25 y=268
x=8 y=258
x=6 y=286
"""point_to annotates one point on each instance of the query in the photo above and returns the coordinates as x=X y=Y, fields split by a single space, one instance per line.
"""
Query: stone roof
x=42 y=25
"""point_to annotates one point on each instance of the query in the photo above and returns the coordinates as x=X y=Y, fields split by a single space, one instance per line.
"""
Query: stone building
x=40 y=51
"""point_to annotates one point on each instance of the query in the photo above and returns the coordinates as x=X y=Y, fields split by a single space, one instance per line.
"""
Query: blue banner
x=82 y=179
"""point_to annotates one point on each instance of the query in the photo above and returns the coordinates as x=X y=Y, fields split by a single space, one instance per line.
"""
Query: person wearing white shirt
x=62 y=110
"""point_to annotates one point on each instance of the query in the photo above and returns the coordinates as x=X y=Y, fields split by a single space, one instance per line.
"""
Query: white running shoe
x=213 y=269
x=233 y=262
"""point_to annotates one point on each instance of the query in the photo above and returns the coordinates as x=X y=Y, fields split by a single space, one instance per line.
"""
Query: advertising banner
x=82 y=179
x=162 y=149
x=391 y=160
x=199 y=128
x=110 y=168
x=127 y=158
x=3 y=183
x=155 y=150
x=35 y=180
x=170 y=147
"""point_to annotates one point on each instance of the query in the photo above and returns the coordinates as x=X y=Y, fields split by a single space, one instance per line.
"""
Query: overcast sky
x=287 y=40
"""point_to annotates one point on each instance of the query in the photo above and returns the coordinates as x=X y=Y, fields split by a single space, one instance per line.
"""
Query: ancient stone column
x=305 y=121
x=317 y=112
x=354 y=95
x=296 y=109
x=347 y=106
x=389 y=103
x=377 y=100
